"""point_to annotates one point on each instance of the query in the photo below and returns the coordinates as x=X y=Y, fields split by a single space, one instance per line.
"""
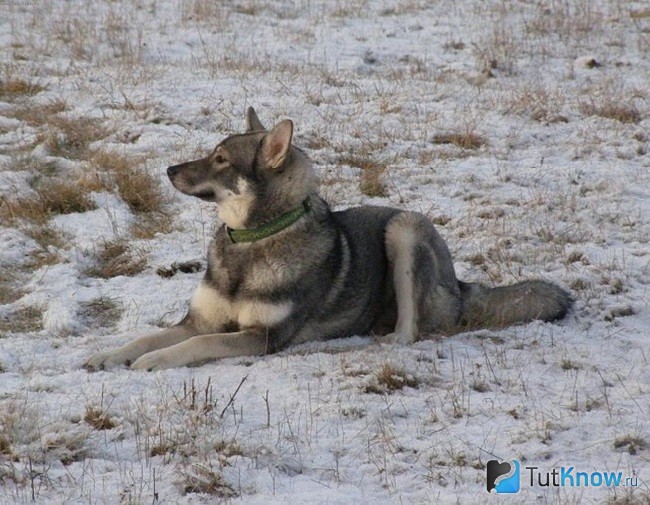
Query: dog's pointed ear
x=253 y=123
x=276 y=144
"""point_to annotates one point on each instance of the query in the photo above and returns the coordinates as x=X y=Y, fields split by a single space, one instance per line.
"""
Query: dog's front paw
x=105 y=360
x=398 y=337
x=156 y=360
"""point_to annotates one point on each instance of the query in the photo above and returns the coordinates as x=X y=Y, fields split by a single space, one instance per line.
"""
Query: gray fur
x=330 y=274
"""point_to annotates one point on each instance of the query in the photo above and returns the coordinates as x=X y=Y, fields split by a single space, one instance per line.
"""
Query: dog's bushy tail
x=517 y=303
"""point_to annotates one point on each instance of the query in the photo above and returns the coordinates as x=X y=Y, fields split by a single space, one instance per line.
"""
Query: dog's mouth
x=206 y=194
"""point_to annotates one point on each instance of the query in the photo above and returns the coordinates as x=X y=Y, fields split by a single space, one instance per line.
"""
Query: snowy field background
x=520 y=127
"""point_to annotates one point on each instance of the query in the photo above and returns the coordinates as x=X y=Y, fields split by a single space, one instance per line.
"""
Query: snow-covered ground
x=550 y=102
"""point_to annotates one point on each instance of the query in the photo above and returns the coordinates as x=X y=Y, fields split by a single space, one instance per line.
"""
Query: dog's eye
x=219 y=160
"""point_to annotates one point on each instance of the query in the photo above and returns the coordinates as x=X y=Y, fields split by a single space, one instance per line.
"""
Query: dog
x=285 y=269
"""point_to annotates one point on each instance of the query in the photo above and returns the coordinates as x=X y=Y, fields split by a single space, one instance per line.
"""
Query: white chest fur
x=213 y=310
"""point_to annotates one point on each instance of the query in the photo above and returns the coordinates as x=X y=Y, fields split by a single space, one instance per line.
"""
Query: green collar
x=271 y=228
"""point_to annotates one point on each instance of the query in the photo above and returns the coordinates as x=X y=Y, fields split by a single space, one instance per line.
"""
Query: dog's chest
x=212 y=311
x=250 y=272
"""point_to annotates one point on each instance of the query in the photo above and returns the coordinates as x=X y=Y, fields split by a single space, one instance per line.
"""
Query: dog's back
x=346 y=289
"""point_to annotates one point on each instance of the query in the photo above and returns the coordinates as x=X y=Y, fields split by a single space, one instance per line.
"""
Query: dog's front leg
x=251 y=342
x=128 y=353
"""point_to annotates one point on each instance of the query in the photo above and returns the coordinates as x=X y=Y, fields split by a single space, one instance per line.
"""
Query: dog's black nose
x=171 y=171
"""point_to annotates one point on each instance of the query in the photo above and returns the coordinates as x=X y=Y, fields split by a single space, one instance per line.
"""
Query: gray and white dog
x=285 y=269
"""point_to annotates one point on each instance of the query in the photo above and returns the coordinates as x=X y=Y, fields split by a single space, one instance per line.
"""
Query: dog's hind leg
x=426 y=289
x=400 y=241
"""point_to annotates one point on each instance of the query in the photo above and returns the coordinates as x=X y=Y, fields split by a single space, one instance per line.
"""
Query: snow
x=558 y=192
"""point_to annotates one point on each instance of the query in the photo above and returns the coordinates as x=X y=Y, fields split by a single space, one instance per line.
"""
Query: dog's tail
x=518 y=303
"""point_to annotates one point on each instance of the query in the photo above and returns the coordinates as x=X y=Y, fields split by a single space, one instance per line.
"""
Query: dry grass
x=67 y=447
x=631 y=443
x=567 y=364
x=40 y=167
x=371 y=183
x=228 y=448
x=117 y=257
x=49 y=199
x=464 y=140
x=54 y=196
x=480 y=386
x=5 y=448
x=498 y=50
x=539 y=103
x=22 y=320
x=372 y=173
x=203 y=11
x=49 y=239
x=98 y=418
x=622 y=112
x=12 y=88
x=640 y=14
x=203 y=479
x=632 y=496
x=9 y=293
x=149 y=225
x=71 y=137
x=100 y=312
x=390 y=378
x=38 y=114
x=139 y=189
x=19 y=429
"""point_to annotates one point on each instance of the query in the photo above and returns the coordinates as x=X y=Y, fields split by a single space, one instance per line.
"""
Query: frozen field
x=522 y=128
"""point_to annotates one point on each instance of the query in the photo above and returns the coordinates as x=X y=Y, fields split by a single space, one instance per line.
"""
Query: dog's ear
x=253 y=123
x=276 y=144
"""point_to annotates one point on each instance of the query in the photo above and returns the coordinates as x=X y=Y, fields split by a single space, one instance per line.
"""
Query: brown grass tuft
x=71 y=137
x=8 y=292
x=12 y=88
x=38 y=115
x=49 y=199
x=138 y=188
x=372 y=171
x=371 y=183
x=49 y=238
x=5 y=448
x=625 y=113
x=480 y=386
x=567 y=365
x=100 y=312
x=203 y=11
x=632 y=443
x=465 y=140
x=116 y=257
x=390 y=378
x=206 y=480
x=68 y=447
x=98 y=418
x=148 y=225
x=22 y=320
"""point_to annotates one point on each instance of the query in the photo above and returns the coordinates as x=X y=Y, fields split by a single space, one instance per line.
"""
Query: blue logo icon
x=503 y=477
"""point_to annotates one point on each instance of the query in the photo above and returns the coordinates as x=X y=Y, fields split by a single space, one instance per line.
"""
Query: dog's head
x=253 y=176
